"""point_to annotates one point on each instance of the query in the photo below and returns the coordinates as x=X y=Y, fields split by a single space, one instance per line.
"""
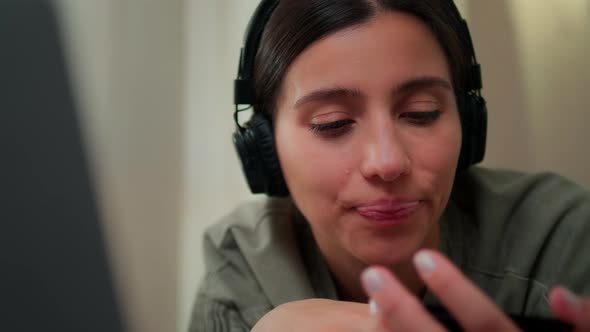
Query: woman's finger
x=465 y=302
x=393 y=306
x=570 y=308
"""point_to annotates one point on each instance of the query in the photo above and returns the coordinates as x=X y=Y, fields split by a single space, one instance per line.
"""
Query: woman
x=370 y=106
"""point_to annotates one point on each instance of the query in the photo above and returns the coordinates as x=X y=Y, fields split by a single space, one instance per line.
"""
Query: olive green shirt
x=514 y=235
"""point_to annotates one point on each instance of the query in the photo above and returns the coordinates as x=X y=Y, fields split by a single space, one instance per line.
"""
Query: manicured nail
x=424 y=262
x=572 y=300
x=373 y=307
x=372 y=280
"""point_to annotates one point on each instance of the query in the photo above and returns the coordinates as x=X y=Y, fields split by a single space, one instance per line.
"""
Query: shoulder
x=508 y=185
x=250 y=254
x=249 y=220
x=514 y=196
x=524 y=230
x=507 y=204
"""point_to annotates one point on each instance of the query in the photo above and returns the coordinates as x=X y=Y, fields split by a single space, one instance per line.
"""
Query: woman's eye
x=421 y=118
x=333 y=128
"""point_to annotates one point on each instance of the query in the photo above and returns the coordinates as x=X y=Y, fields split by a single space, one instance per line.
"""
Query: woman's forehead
x=383 y=53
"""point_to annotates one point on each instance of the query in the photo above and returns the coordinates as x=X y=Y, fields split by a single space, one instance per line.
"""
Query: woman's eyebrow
x=422 y=82
x=324 y=94
x=327 y=94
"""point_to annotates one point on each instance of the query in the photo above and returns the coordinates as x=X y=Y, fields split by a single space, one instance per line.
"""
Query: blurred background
x=153 y=81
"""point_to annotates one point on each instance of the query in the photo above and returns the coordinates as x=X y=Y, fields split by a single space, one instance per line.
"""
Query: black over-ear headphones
x=255 y=142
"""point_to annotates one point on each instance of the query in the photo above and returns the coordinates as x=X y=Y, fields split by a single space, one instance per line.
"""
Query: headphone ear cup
x=260 y=162
x=474 y=123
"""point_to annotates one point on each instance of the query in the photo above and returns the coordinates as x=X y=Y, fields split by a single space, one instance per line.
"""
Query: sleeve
x=229 y=297
x=567 y=251
x=213 y=316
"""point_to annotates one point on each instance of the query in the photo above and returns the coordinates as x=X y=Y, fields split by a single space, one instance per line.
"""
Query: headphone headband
x=244 y=88
x=244 y=85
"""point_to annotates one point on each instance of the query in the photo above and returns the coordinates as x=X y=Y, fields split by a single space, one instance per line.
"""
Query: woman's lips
x=388 y=213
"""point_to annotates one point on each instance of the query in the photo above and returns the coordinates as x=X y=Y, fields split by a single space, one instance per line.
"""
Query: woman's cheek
x=325 y=169
x=440 y=152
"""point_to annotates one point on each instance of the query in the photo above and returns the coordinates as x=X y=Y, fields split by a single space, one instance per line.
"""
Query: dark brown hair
x=295 y=24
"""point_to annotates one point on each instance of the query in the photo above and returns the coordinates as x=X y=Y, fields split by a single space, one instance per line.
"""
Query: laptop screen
x=54 y=271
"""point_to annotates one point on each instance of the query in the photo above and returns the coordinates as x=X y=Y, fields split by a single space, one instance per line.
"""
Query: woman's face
x=368 y=136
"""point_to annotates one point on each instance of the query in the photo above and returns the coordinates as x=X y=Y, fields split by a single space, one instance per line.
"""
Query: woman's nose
x=385 y=156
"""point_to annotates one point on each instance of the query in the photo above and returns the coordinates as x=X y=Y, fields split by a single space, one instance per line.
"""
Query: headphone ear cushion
x=276 y=185
x=260 y=162
x=474 y=122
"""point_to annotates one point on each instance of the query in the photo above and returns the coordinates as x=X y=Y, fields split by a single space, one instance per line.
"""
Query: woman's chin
x=389 y=248
x=387 y=255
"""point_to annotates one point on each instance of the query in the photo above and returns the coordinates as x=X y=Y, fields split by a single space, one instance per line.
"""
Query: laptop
x=54 y=271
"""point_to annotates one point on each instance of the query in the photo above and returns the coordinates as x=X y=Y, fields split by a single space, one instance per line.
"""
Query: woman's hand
x=396 y=309
x=570 y=308
x=316 y=315
x=399 y=310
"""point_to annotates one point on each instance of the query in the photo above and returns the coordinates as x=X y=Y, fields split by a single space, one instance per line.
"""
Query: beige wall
x=127 y=58
x=155 y=78
x=536 y=73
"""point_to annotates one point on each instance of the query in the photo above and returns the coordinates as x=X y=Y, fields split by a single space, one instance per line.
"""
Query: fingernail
x=424 y=261
x=373 y=307
x=372 y=280
x=572 y=300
